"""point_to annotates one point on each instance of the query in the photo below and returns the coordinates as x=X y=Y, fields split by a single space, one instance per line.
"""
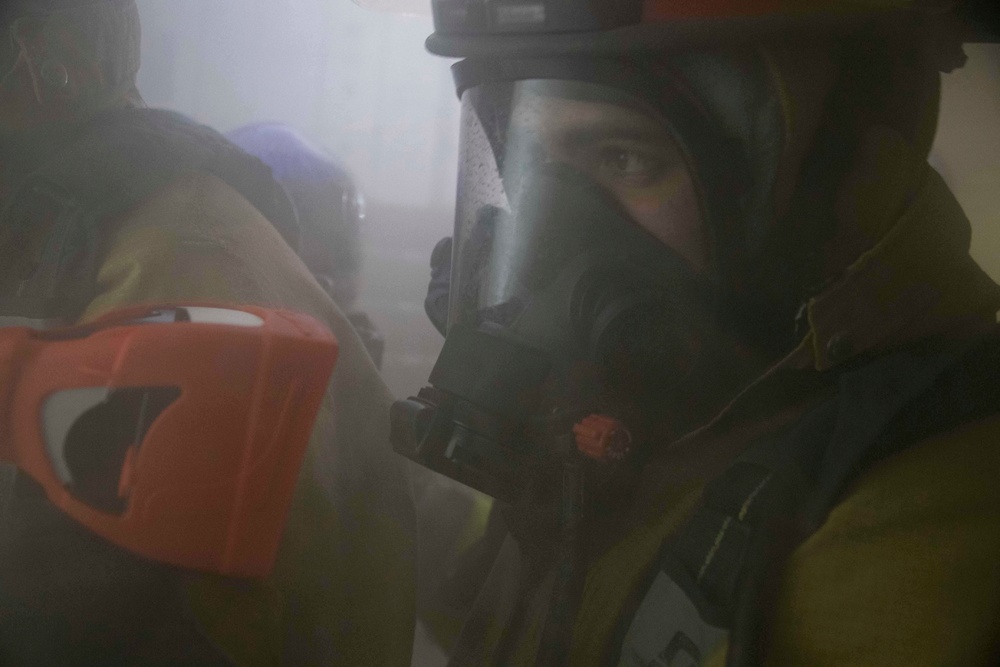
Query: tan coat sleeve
x=343 y=589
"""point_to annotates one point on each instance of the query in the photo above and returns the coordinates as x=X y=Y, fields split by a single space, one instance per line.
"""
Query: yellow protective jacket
x=904 y=570
x=342 y=592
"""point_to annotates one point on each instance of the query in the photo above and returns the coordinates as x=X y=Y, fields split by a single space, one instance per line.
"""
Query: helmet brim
x=690 y=34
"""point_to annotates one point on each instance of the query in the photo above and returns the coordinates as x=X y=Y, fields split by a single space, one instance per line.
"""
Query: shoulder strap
x=128 y=154
x=715 y=578
x=121 y=159
x=30 y=294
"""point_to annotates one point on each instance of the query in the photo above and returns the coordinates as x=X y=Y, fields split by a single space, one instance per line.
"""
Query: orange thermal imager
x=174 y=432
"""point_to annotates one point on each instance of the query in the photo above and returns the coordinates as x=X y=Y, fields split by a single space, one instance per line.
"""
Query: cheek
x=670 y=212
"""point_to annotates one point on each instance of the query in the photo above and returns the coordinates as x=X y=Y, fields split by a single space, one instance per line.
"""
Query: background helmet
x=329 y=206
x=330 y=210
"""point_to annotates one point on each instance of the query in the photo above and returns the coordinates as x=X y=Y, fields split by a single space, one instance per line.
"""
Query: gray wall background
x=967 y=151
x=356 y=82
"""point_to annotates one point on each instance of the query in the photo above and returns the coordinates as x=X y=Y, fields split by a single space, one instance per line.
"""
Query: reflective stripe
x=668 y=631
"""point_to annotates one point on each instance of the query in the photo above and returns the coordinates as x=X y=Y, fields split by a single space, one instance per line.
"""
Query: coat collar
x=917 y=282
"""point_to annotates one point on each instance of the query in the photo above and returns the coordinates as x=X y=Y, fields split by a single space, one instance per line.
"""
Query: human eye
x=630 y=166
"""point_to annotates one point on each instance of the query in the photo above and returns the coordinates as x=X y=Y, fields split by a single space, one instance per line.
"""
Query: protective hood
x=84 y=55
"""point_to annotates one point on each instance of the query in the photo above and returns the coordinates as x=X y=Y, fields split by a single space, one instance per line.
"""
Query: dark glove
x=439 y=290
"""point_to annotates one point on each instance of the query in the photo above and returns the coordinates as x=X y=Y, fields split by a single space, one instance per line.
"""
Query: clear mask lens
x=556 y=173
x=568 y=297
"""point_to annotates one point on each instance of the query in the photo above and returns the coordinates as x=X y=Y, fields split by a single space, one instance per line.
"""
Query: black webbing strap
x=122 y=158
x=715 y=578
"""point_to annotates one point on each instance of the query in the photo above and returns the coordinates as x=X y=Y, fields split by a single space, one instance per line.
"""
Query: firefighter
x=107 y=204
x=714 y=337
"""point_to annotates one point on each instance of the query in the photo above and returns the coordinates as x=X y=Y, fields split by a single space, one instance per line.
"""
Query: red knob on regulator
x=602 y=438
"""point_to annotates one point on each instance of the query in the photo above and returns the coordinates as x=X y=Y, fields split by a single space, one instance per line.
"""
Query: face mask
x=563 y=311
x=585 y=323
